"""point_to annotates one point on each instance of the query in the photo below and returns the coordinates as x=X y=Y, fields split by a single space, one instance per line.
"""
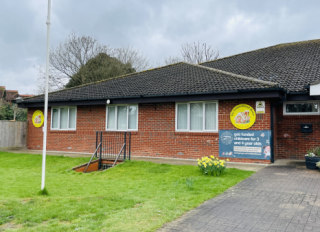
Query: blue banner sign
x=250 y=144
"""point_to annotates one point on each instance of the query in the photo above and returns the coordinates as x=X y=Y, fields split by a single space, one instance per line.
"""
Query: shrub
x=211 y=165
x=313 y=152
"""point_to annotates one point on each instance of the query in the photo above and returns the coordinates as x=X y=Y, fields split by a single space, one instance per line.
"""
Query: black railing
x=114 y=145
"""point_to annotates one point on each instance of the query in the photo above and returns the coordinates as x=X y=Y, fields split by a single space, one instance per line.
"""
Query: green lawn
x=133 y=196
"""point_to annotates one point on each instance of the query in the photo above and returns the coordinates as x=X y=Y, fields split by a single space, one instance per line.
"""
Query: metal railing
x=114 y=145
x=93 y=155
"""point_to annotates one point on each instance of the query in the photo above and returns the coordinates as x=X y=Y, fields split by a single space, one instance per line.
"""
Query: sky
x=156 y=28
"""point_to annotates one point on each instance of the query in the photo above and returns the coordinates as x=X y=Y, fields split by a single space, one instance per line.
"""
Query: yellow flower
x=228 y=160
x=212 y=157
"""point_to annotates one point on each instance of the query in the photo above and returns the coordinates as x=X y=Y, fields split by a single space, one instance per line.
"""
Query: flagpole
x=44 y=147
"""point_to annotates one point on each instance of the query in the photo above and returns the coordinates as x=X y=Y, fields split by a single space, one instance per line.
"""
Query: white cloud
x=156 y=28
x=23 y=80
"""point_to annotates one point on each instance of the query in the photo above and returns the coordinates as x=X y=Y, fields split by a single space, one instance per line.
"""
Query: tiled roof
x=171 y=80
x=293 y=65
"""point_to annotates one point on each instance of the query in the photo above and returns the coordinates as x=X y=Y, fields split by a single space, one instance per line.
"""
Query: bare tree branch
x=195 y=53
x=68 y=57
x=56 y=80
x=131 y=56
x=172 y=60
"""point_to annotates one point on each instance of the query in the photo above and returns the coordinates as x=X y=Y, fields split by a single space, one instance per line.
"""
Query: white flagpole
x=44 y=147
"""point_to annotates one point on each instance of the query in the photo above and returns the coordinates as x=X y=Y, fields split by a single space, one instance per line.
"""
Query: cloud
x=23 y=80
x=156 y=28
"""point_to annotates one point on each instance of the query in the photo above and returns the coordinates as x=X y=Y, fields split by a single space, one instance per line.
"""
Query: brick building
x=252 y=107
x=10 y=95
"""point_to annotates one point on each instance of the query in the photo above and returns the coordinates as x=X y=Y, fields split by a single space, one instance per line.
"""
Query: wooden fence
x=13 y=134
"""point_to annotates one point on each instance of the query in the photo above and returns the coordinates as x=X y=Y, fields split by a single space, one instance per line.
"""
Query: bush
x=211 y=165
x=313 y=152
x=7 y=112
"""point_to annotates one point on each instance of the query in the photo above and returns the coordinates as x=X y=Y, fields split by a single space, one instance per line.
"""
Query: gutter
x=225 y=95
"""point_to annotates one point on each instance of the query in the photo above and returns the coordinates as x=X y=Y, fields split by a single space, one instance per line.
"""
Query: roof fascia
x=301 y=97
x=274 y=94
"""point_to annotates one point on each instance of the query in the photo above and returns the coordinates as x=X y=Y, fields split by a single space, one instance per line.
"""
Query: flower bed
x=211 y=165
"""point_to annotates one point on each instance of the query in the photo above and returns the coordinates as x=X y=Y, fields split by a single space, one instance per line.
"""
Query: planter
x=311 y=162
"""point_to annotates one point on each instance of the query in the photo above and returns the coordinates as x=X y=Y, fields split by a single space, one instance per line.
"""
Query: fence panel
x=13 y=134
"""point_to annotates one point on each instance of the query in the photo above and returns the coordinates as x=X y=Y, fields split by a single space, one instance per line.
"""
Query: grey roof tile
x=171 y=80
x=293 y=65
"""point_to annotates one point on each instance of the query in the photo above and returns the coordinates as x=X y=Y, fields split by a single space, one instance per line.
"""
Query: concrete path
x=276 y=198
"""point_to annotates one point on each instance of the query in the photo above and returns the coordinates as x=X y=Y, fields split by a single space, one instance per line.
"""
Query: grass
x=133 y=196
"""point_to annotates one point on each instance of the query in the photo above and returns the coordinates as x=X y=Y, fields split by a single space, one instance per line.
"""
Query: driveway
x=276 y=198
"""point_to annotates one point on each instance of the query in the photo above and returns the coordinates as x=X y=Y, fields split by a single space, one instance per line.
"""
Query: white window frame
x=116 y=116
x=300 y=113
x=203 y=117
x=64 y=107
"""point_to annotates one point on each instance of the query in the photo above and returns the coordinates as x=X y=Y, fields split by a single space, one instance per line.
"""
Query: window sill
x=300 y=114
x=203 y=133
x=63 y=131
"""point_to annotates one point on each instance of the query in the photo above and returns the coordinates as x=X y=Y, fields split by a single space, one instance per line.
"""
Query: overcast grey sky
x=156 y=28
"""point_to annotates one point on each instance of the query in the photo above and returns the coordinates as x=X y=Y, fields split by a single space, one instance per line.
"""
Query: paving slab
x=276 y=198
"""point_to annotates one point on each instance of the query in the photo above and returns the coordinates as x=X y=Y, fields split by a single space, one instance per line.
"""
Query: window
x=122 y=117
x=63 y=118
x=301 y=108
x=197 y=116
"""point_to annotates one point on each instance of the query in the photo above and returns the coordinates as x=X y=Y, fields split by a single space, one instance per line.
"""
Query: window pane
x=55 y=118
x=301 y=107
x=182 y=117
x=133 y=113
x=211 y=114
x=63 y=118
x=122 y=118
x=196 y=116
x=72 y=118
x=111 y=117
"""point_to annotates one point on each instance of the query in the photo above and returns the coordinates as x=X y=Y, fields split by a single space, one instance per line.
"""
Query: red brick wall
x=89 y=120
x=156 y=134
x=291 y=143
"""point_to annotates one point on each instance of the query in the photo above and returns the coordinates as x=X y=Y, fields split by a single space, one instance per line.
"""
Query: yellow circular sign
x=37 y=118
x=243 y=116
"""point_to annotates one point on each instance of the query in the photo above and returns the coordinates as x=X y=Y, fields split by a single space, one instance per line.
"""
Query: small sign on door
x=260 y=107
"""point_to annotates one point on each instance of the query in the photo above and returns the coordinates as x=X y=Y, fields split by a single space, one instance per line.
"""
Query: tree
x=101 y=67
x=194 y=53
x=68 y=57
x=131 y=56
x=71 y=55
x=10 y=111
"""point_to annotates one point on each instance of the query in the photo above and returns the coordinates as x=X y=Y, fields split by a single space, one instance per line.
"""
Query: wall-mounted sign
x=242 y=116
x=260 y=107
x=250 y=144
x=37 y=118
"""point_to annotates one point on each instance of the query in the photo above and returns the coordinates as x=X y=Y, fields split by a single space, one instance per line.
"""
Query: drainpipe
x=272 y=131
